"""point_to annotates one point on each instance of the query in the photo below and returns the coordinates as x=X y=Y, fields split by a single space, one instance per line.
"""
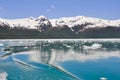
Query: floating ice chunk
x=103 y=78
x=26 y=47
x=3 y=76
x=1 y=45
x=94 y=46
x=67 y=46
x=86 y=47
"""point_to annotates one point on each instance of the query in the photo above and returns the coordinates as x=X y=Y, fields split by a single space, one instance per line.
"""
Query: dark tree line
x=59 y=32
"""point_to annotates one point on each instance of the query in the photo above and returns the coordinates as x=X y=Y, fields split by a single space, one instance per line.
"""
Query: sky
x=105 y=9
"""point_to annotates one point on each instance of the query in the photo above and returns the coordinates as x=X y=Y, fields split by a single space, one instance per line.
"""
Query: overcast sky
x=106 y=9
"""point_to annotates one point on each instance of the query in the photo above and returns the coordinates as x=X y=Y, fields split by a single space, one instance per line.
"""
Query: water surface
x=82 y=59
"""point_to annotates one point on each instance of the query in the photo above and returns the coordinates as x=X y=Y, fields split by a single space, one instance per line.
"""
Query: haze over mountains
x=65 y=27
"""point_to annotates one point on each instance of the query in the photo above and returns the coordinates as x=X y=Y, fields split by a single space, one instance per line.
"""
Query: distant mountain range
x=65 y=27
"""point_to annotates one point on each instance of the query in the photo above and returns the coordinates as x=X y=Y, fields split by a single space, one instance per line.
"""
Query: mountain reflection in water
x=71 y=59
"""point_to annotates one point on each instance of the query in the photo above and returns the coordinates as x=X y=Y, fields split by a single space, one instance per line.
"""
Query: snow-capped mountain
x=32 y=23
x=29 y=23
x=79 y=20
x=65 y=27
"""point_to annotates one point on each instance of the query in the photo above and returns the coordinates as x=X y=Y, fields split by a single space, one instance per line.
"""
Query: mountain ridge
x=69 y=21
x=65 y=27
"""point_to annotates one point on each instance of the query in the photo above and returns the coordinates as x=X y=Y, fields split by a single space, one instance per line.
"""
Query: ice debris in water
x=94 y=46
x=103 y=78
x=3 y=76
x=1 y=45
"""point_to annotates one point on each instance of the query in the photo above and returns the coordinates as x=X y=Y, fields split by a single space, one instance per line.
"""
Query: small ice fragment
x=94 y=46
x=103 y=78
x=1 y=45
x=3 y=76
x=26 y=47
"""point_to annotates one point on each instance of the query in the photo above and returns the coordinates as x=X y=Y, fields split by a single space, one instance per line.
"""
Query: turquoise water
x=84 y=59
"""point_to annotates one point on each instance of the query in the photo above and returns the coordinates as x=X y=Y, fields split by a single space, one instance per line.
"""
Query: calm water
x=83 y=59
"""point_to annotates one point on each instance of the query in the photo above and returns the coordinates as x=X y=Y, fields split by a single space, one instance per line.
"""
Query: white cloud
x=52 y=6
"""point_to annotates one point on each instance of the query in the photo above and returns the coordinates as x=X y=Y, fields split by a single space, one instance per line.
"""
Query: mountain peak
x=42 y=17
x=32 y=18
